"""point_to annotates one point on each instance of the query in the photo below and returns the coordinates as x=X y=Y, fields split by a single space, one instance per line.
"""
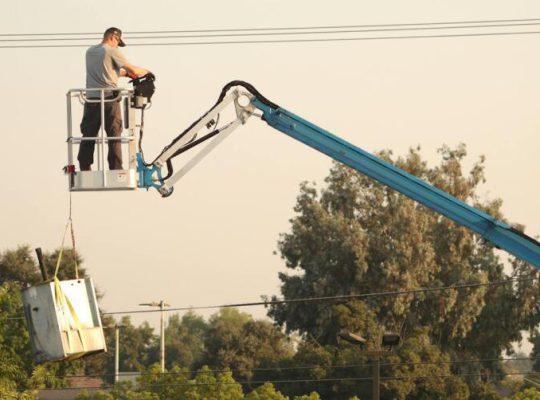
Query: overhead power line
x=496 y=21
x=274 y=33
x=332 y=298
x=267 y=303
x=309 y=367
x=291 y=34
x=321 y=380
x=320 y=40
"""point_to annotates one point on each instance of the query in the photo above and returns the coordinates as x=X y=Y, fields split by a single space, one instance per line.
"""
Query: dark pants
x=90 y=126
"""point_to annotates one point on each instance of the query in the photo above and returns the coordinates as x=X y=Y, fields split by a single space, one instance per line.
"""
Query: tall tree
x=357 y=236
x=535 y=354
x=266 y=391
x=18 y=266
x=234 y=340
x=135 y=343
x=184 y=340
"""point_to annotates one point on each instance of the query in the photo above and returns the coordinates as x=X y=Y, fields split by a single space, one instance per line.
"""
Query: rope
x=73 y=238
x=62 y=300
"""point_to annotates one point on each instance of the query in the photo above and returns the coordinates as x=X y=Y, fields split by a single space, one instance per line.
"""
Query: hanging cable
x=272 y=41
x=73 y=238
x=258 y=29
x=321 y=380
x=284 y=32
x=311 y=367
x=267 y=303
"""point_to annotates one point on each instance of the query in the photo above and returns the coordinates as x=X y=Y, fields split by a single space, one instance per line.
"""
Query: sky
x=214 y=240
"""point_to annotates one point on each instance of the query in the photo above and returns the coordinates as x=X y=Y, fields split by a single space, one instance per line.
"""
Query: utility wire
x=309 y=367
x=329 y=298
x=273 y=33
x=285 y=28
x=320 y=40
x=362 y=378
x=267 y=303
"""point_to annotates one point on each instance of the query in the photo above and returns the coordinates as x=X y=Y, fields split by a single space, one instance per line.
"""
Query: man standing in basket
x=105 y=63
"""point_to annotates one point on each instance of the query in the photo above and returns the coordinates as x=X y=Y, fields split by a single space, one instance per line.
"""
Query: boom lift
x=249 y=102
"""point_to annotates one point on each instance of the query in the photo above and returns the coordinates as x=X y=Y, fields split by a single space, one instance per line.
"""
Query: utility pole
x=376 y=383
x=161 y=306
x=389 y=340
x=116 y=352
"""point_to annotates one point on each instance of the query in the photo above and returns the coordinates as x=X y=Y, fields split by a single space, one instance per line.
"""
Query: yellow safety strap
x=62 y=300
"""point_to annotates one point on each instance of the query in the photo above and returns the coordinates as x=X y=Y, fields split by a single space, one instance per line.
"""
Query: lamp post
x=389 y=340
x=161 y=306
x=116 y=352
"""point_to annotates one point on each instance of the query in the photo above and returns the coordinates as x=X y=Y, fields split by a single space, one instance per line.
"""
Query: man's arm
x=132 y=70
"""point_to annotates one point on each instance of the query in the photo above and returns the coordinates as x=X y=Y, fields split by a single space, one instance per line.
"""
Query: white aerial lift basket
x=101 y=178
x=63 y=320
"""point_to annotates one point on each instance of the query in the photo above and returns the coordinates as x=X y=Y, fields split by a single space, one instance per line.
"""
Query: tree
x=135 y=343
x=535 y=354
x=311 y=396
x=234 y=340
x=172 y=385
x=17 y=266
x=266 y=392
x=357 y=236
x=184 y=340
x=15 y=361
x=527 y=394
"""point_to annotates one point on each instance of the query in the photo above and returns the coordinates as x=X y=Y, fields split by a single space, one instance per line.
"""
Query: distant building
x=76 y=386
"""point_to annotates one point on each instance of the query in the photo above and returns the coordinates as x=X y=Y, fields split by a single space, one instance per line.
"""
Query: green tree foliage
x=134 y=345
x=234 y=340
x=311 y=396
x=172 y=385
x=527 y=394
x=184 y=340
x=15 y=365
x=266 y=391
x=18 y=267
x=535 y=354
x=357 y=236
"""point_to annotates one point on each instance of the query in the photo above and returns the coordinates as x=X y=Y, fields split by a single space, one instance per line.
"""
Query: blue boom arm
x=499 y=233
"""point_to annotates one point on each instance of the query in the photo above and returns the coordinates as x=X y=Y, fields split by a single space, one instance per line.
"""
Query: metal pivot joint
x=150 y=176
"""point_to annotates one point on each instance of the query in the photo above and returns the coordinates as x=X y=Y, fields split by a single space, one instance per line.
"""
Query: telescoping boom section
x=249 y=102
x=499 y=233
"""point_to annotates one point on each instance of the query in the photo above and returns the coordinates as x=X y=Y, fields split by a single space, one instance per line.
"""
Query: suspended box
x=63 y=320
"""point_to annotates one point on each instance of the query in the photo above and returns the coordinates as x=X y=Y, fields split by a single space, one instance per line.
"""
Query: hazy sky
x=212 y=242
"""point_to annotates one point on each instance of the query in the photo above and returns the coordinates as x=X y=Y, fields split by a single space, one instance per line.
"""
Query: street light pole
x=116 y=352
x=161 y=306
x=376 y=383
x=162 y=338
x=389 y=340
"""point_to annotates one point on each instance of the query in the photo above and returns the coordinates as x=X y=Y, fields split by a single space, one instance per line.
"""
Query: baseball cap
x=116 y=32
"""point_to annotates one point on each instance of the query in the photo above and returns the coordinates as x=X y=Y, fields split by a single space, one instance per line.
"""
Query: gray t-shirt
x=103 y=64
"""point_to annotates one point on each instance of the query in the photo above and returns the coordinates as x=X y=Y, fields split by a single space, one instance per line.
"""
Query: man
x=105 y=63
